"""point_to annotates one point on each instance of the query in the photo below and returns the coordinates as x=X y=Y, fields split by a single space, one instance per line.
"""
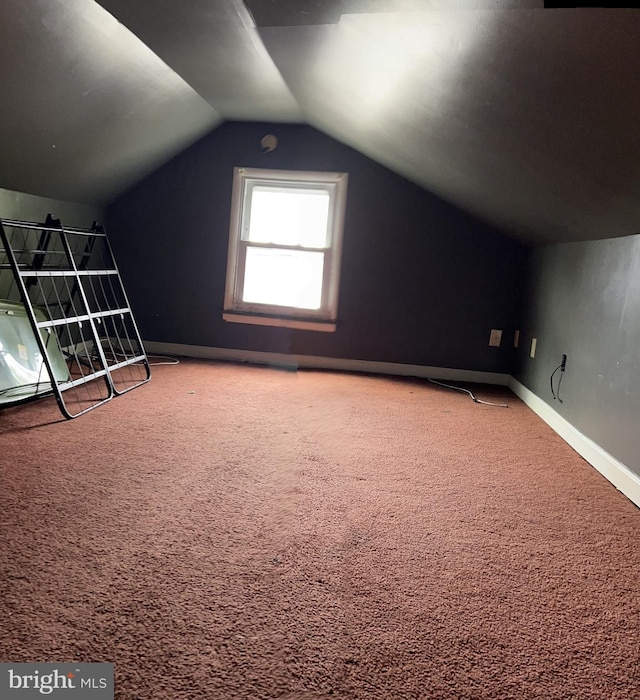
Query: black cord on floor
x=466 y=391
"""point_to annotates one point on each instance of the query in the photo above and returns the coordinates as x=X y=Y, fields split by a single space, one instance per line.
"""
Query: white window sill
x=301 y=324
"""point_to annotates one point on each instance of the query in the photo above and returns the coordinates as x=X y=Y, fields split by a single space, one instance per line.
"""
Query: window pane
x=288 y=217
x=283 y=278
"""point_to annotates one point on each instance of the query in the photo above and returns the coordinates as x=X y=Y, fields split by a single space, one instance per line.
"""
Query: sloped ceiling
x=524 y=116
x=529 y=119
x=86 y=107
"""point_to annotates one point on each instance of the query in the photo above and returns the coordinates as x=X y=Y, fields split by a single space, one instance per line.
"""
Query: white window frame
x=238 y=311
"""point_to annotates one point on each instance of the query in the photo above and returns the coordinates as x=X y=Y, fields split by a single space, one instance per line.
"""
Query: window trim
x=238 y=311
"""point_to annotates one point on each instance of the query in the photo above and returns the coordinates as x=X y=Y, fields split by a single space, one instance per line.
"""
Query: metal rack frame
x=72 y=291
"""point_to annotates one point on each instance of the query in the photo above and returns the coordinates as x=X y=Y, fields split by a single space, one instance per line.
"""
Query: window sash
x=291 y=187
x=254 y=307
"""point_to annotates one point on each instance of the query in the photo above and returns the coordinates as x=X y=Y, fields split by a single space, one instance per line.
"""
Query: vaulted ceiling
x=526 y=117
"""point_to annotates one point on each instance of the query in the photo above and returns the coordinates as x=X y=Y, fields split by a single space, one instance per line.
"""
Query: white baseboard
x=612 y=469
x=287 y=361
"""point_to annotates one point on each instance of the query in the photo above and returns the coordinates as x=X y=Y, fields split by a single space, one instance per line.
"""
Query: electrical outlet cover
x=495 y=338
x=534 y=343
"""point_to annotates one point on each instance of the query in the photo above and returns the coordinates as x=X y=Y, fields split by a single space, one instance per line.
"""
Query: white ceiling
x=524 y=116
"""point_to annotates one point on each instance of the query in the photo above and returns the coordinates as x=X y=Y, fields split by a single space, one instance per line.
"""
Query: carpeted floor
x=236 y=532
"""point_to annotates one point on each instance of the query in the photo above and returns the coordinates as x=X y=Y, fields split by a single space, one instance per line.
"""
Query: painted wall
x=28 y=207
x=421 y=283
x=584 y=300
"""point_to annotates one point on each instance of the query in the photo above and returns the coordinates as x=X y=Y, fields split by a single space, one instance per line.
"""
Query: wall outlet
x=534 y=343
x=495 y=338
x=516 y=339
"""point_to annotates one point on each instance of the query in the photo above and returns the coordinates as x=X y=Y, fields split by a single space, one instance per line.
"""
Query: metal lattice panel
x=89 y=347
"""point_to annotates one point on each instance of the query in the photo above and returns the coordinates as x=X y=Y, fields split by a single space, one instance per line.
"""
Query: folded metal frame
x=73 y=294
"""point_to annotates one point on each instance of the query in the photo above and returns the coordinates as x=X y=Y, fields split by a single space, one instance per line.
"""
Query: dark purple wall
x=421 y=283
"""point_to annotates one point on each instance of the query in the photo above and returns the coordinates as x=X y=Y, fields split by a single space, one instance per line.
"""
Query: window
x=284 y=248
